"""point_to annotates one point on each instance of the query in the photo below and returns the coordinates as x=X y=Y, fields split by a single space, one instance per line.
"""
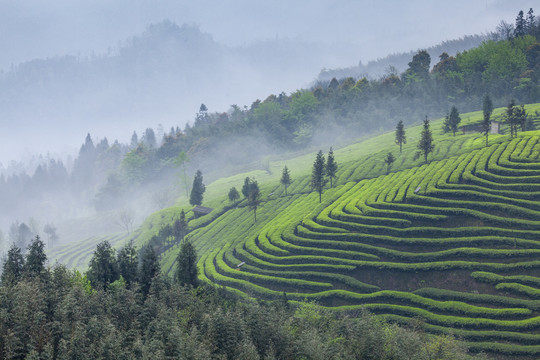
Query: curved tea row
x=453 y=243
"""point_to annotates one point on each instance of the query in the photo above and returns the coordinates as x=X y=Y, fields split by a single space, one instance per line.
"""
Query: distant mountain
x=377 y=68
x=160 y=76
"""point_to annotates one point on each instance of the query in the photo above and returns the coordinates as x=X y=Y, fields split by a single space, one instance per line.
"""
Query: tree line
x=52 y=312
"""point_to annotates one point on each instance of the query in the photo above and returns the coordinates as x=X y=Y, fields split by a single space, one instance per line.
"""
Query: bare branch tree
x=126 y=217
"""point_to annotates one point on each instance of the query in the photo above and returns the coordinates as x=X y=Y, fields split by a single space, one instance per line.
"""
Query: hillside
x=459 y=253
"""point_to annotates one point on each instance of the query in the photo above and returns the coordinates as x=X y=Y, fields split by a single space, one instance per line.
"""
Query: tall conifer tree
x=197 y=189
x=331 y=167
x=318 y=178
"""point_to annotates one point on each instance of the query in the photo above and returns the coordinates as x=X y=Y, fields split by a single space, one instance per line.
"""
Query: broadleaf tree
x=389 y=160
x=234 y=195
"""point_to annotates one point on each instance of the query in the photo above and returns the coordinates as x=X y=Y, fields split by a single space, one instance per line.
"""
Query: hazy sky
x=365 y=30
x=36 y=29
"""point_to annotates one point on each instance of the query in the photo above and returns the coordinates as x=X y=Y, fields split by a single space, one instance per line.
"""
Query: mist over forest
x=173 y=89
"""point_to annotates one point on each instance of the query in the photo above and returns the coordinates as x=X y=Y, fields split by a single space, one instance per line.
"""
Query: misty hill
x=382 y=66
x=159 y=76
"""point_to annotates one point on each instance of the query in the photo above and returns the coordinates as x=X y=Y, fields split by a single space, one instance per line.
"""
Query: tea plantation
x=451 y=246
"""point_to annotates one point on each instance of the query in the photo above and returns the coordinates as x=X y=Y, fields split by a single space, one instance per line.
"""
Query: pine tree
x=531 y=22
x=149 y=268
x=197 y=189
x=389 y=160
x=318 y=179
x=331 y=167
x=454 y=119
x=285 y=178
x=128 y=261
x=13 y=266
x=487 y=107
x=425 y=145
x=400 y=135
x=180 y=227
x=253 y=195
x=245 y=187
x=520 y=28
x=186 y=265
x=34 y=265
x=233 y=195
x=510 y=117
x=103 y=267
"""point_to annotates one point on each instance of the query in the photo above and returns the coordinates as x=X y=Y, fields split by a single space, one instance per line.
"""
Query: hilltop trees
x=400 y=135
x=285 y=178
x=331 y=167
x=197 y=190
x=425 y=145
x=318 y=178
x=487 y=108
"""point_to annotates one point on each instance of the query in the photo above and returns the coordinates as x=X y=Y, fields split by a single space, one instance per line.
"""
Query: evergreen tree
x=35 y=258
x=454 y=119
x=233 y=195
x=149 y=138
x=103 y=268
x=13 y=266
x=180 y=227
x=446 y=124
x=186 y=265
x=389 y=160
x=531 y=22
x=149 y=268
x=400 y=135
x=520 y=28
x=487 y=107
x=128 y=261
x=134 y=141
x=285 y=178
x=510 y=117
x=245 y=187
x=254 y=197
x=425 y=145
x=318 y=179
x=331 y=167
x=197 y=189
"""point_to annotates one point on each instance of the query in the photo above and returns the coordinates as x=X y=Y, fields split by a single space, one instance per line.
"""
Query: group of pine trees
x=251 y=192
x=323 y=171
x=51 y=312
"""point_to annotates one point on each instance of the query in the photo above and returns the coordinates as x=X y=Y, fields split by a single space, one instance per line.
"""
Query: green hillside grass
x=459 y=256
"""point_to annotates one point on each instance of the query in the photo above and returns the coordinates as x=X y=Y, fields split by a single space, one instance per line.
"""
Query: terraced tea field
x=452 y=245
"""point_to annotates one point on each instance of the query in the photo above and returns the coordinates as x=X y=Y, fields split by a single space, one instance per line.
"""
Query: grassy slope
x=395 y=267
x=369 y=151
